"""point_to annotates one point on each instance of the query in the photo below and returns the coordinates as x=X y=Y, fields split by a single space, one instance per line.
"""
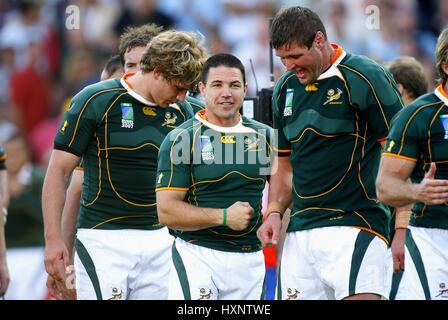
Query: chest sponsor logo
x=149 y=111
x=287 y=112
x=311 y=87
x=170 y=120
x=333 y=96
x=127 y=115
x=207 y=149
x=444 y=119
x=228 y=139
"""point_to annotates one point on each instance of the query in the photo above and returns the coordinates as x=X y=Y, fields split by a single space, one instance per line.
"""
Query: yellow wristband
x=402 y=219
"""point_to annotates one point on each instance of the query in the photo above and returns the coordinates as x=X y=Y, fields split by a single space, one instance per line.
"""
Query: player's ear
x=201 y=87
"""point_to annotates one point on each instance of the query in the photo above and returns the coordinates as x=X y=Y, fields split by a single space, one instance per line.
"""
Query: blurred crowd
x=51 y=49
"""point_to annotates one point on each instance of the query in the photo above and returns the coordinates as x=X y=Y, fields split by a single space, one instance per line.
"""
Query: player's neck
x=222 y=122
x=140 y=84
x=329 y=53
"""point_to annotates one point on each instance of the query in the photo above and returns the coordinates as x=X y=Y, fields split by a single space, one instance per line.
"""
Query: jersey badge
x=170 y=120
x=204 y=294
x=116 y=294
x=251 y=144
x=287 y=112
x=443 y=291
x=207 y=149
x=292 y=294
x=332 y=96
x=64 y=126
x=127 y=115
x=444 y=119
x=390 y=146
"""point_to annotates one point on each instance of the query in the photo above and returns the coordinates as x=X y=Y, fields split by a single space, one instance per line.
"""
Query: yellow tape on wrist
x=275 y=207
x=402 y=219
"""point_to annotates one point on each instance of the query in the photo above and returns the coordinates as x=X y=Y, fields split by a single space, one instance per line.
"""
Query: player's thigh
x=101 y=267
x=297 y=278
x=426 y=270
x=150 y=279
x=241 y=275
x=351 y=261
x=191 y=273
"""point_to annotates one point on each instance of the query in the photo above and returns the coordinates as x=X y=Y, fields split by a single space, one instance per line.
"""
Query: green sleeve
x=174 y=161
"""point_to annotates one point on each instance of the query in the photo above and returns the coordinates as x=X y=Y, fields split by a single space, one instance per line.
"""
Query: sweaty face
x=306 y=63
x=224 y=94
x=132 y=59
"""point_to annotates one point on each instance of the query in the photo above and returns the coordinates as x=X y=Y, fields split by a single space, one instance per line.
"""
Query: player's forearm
x=4 y=191
x=179 y=215
x=70 y=214
x=53 y=198
x=280 y=186
x=2 y=240
x=395 y=192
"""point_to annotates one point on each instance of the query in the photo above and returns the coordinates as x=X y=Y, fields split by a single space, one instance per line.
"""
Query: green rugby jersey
x=218 y=166
x=196 y=104
x=118 y=135
x=332 y=131
x=419 y=133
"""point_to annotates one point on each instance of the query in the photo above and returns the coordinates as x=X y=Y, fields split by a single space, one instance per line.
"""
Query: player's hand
x=56 y=259
x=60 y=290
x=238 y=215
x=432 y=191
x=397 y=248
x=4 y=275
x=269 y=231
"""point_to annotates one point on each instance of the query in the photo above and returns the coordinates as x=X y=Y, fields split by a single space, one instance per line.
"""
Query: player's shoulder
x=424 y=107
x=254 y=124
x=283 y=80
x=99 y=89
x=196 y=104
x=363 y=67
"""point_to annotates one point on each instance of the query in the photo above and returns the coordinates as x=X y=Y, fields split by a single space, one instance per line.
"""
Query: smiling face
x=224 y=93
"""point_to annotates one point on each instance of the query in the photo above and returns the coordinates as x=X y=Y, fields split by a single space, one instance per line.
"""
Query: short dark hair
x=408 y=72
x=295 y=24
x=112 y=65
x=222 y=59
x=133 y=37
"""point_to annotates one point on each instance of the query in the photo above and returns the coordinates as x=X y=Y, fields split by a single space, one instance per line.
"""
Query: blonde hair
x=177 y=55
x=442 y=54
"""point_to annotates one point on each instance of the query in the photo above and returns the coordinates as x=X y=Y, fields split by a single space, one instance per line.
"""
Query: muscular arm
x=175 y=213
x=59 y=170
x=395 y=188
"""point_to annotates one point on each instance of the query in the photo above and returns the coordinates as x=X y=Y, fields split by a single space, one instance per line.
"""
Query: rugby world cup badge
x=444 y=119
x=127 y=115
x=207 y=149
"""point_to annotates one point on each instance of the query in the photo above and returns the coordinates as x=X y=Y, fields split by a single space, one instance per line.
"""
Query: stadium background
x=50 y=49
